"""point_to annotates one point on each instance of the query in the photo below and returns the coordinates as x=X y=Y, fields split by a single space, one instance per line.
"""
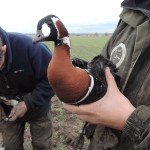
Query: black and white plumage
x=50 y=28
x=71 y=82
x=96 y=68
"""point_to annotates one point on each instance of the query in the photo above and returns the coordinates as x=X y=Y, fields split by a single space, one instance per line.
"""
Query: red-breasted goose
x=70 y=82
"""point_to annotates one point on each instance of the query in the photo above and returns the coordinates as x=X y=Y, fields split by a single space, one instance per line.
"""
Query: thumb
x=13 y=111
x=13 y=118
x=110 y=79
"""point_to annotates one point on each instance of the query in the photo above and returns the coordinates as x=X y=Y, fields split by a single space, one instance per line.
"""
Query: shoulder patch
x=118 y=54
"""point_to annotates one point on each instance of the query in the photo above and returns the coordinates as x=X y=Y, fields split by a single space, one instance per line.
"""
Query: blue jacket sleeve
x=39 y=56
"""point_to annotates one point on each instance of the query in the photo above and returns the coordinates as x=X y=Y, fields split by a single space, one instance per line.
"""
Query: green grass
x=85 y=47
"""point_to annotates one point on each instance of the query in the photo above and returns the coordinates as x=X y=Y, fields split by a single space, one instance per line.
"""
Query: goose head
x=50 y=28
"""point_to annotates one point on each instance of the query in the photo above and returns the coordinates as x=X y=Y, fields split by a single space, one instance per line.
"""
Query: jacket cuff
x=28 y=101
x=136 y=123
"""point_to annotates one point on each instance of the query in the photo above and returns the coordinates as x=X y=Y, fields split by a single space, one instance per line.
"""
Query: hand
x=112 y=110
x=18 y=111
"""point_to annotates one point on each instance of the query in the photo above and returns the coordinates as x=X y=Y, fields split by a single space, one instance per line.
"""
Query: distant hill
x=95 y=28
x=79 y=34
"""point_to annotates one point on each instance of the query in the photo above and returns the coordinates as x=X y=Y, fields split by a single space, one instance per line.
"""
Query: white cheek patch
x=46 y=30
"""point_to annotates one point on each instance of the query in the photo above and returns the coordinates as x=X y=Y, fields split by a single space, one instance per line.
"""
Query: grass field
x=85 y=47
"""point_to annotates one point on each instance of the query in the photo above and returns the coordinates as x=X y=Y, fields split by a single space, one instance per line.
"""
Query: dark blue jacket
x=25 y=74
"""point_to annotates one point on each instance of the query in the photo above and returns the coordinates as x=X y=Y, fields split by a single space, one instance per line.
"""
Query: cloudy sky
x=86 y=16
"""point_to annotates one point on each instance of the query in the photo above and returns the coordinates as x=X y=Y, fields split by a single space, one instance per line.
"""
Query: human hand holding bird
x=112 y=110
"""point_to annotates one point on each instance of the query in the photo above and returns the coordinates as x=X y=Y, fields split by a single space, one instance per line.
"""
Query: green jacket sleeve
x=137 y=128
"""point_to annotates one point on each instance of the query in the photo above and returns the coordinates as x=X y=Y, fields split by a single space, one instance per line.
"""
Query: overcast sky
x=77 y=15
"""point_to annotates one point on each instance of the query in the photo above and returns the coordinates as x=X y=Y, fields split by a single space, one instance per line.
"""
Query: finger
x=86 y=118
x=12 y=113
x=109 y=78
x=13 y=118
x=71 y=108
x=80 y=110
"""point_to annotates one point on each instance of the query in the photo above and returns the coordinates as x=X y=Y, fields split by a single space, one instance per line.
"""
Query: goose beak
x=38 y=37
